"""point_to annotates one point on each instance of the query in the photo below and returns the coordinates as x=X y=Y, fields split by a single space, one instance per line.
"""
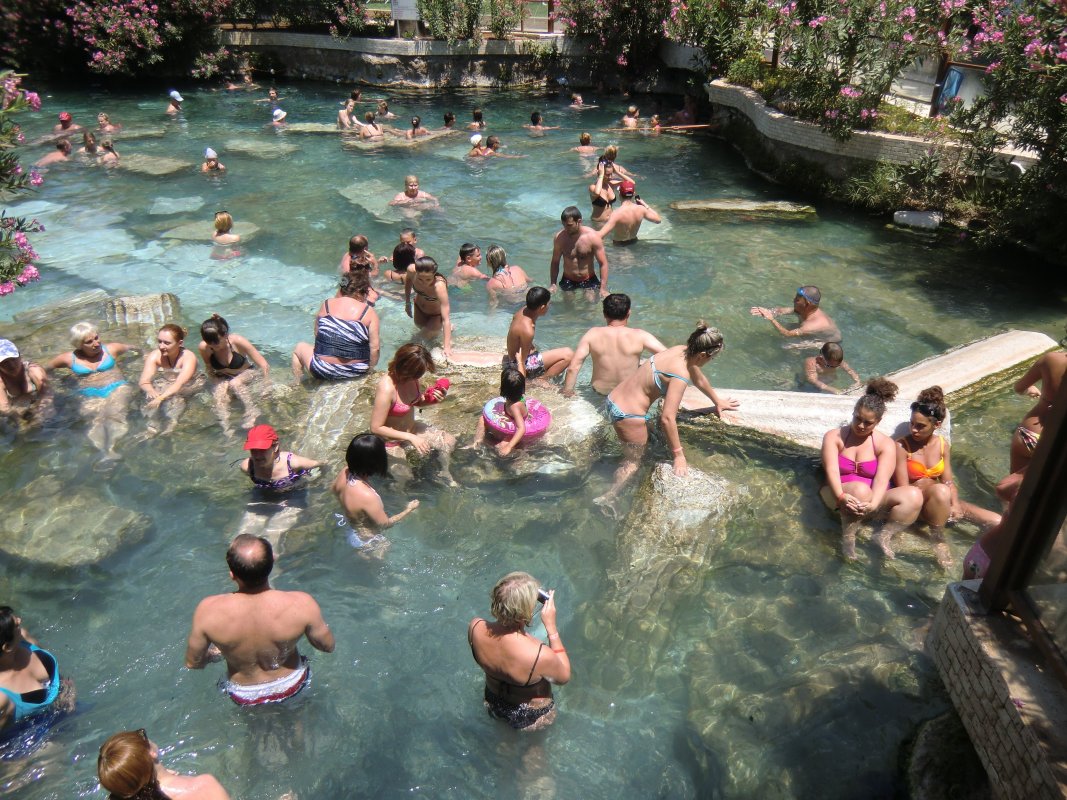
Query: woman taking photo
x=169 y=376
x=519 y=668
x=346 y=334
x=602 y=194
x=128 y=767
x=859 y=461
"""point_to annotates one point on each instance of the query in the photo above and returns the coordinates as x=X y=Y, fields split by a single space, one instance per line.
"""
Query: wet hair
x=537 y=296
x=175 y=330
x=408 y=232
x=88 y=139
x=514 y=598
x=931 y=403
x=879 y=392
x=223 y=222
x=616 y=306
x=416 y=122
x=631 y=110
x=383 y=105
x=355 y=283
x=476 y=115
x=703 y=340
x=467 y=249
x=102 y=117
x=834 y=352
x=356 y=95
x=366 y=456
x=811 y=294
x=108 y=145
x=450 y=118
x=63 y=145
x=358 y=245
x=214 y=329
x=495 y=257
x=535 y=118
x=403 y=256
x=409 y=178
x=126 y=768
x=80 y=331
x=571 y=214
x=611 y=152
x=492 y=142
x=411 y=360
x=585 y=139
x=512 y=385
x=8 y=627
x=369 y=117
x=425 y=264
x=250 y=559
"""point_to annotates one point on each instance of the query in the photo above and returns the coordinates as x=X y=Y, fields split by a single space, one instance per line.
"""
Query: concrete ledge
x=387 y=47
x=1014 y=710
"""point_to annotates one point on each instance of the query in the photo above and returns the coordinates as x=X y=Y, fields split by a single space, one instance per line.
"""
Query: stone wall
x=1010 y=704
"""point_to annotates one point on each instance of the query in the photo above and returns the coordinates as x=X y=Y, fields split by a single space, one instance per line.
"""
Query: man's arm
x=196 y=651
x=580 y=355
x=553 y=267
x=317 y=631
x=651 y=343
x=650 y=213
x=601 y=255
x=609 y=226
x=811 y=371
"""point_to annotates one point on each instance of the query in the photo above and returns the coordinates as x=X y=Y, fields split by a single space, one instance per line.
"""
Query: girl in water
x=229 y=359
x=395 y=400
x=859 y=461
x=128 y=767
x=371 y=130
x=169 y=376
x=431 y=309
x=359 y=253
x=223 y=228
x=513 y=390
x=363 y=508
x=417 y=129
x=923 y=461
x=105 y=394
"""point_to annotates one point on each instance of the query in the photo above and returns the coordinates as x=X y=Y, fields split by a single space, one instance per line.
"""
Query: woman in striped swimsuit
x=346 y=335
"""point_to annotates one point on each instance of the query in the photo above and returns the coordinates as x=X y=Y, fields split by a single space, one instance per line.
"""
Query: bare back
x=1050 y=369
x=616 y=353
x=520 y=337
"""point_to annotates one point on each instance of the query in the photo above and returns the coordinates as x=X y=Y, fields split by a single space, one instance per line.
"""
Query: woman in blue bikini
x=30 y=685
x=104 y=391
x=665 y=375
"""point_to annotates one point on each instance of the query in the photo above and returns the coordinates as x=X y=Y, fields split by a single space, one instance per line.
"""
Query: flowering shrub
x=505 y=16
x=453 y=20
x=16 y=252
x=627 y=33
x=350 y=18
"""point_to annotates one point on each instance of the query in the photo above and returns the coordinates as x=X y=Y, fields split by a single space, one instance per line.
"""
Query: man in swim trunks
x=615 y=347
x=578 y=245
x=521 y=352
x=625 y=221
x=256 y=629
x=814 y=322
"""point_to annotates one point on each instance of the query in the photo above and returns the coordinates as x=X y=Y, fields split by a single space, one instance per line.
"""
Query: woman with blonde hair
x=503 y=277
x=223 y=226
x=128 y=767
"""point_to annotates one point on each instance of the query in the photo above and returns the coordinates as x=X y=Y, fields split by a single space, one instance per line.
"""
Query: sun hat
x=278 y=115
x=627 y=188
x=476 y=140
x=177 y=98
x=64 y=116
x=209 y=153
x=8 y=350
x=261 y=437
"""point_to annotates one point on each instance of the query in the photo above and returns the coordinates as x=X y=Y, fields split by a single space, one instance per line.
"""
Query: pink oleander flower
x=36 y=179
x=17 y=170
x=30 y=273
x=851 y=92
x=908 y=37
x=6 y=288
x=33 y=99
x=992 y=68
x=818 y=21
x=621 y=60
x=21 y=242
x=831 y=114
x=1063 y=98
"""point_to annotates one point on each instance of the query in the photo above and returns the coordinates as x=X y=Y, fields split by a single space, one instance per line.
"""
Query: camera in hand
x=542 y=596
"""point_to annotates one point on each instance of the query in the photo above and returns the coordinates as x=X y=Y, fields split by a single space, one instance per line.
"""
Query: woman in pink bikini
x=859 y=461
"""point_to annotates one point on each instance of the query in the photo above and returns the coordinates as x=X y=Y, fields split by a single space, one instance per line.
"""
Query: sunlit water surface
x=784 y=674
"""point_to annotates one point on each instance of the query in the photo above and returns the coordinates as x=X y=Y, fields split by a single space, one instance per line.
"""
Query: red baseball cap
x=627 y=188
x=261 y=437
x=64 y=116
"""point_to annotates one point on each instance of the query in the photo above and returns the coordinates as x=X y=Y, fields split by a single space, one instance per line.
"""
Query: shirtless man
x=256 y=629
x=823 y=367
x=521 y=353
x=625 y=221
x=413 y=195
x=66 y=124
x=616 y=348
x=814 y=322
x=578 y=245
x=61 y=153
x=631 y=118
x=24 y=388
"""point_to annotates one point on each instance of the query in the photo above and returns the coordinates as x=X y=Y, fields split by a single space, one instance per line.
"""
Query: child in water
x=513 y=390
x=823 y=367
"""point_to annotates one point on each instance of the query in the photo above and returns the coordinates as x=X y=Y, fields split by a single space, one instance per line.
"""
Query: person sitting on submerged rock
x=363 y=508
x=30 y=684
x=346 y=334
x=24 y=392
x=271 y=468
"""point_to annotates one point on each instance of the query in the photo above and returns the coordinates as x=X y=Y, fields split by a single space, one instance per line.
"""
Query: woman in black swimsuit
x=228 y=360
x=519 y=669
x=602 y=194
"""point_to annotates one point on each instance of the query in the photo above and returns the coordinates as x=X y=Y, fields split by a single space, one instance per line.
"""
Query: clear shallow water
x=778 y=671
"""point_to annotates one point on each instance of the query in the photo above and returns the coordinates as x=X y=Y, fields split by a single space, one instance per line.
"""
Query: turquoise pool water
x=778 y=671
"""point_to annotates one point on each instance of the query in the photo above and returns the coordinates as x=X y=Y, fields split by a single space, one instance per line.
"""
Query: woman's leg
x=241 y=388
x=302 y=354
x=220 y=396
x=901 y=508
x=633 y=434
x=937 y=504
x=850 y=523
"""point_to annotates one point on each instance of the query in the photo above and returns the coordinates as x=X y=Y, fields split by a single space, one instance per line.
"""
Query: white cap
x=278 y=115
x=476 y=140
x=209 y=153
x=177 y=98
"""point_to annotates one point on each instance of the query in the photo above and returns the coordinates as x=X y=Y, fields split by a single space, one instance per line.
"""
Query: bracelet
x=676 y=450
x=553 y=634
x=559 y=649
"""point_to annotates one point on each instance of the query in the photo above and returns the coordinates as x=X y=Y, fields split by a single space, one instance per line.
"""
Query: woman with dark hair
x=519 y=668
x=431 y=310
x=128 y=767
x=602 y=194
x=346 y=334
x=859 y=462
x=359 y=253
x=398 y=395
x=229 y=359
x=417 y=129
x=371 y=130
x=30 y=684
x=363 y=507
x=169 y=376
x=923 y=461
x=665 y=375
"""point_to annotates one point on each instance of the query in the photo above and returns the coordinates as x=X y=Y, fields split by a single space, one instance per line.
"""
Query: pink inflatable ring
x=500 y=425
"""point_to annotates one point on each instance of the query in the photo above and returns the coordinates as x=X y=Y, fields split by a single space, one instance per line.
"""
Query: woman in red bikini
x=859 y=461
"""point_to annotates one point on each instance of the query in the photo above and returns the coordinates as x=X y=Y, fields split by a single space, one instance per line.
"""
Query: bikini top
x=399 y=407
x=34 y=702
x=504 y=272
x=864 y=469
x=600 y=202
x=106 y=363
x=656 y=373
x=237 y=361
x=429 y=297
x=917 y=469
x=279 y=484
x=529 y=678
